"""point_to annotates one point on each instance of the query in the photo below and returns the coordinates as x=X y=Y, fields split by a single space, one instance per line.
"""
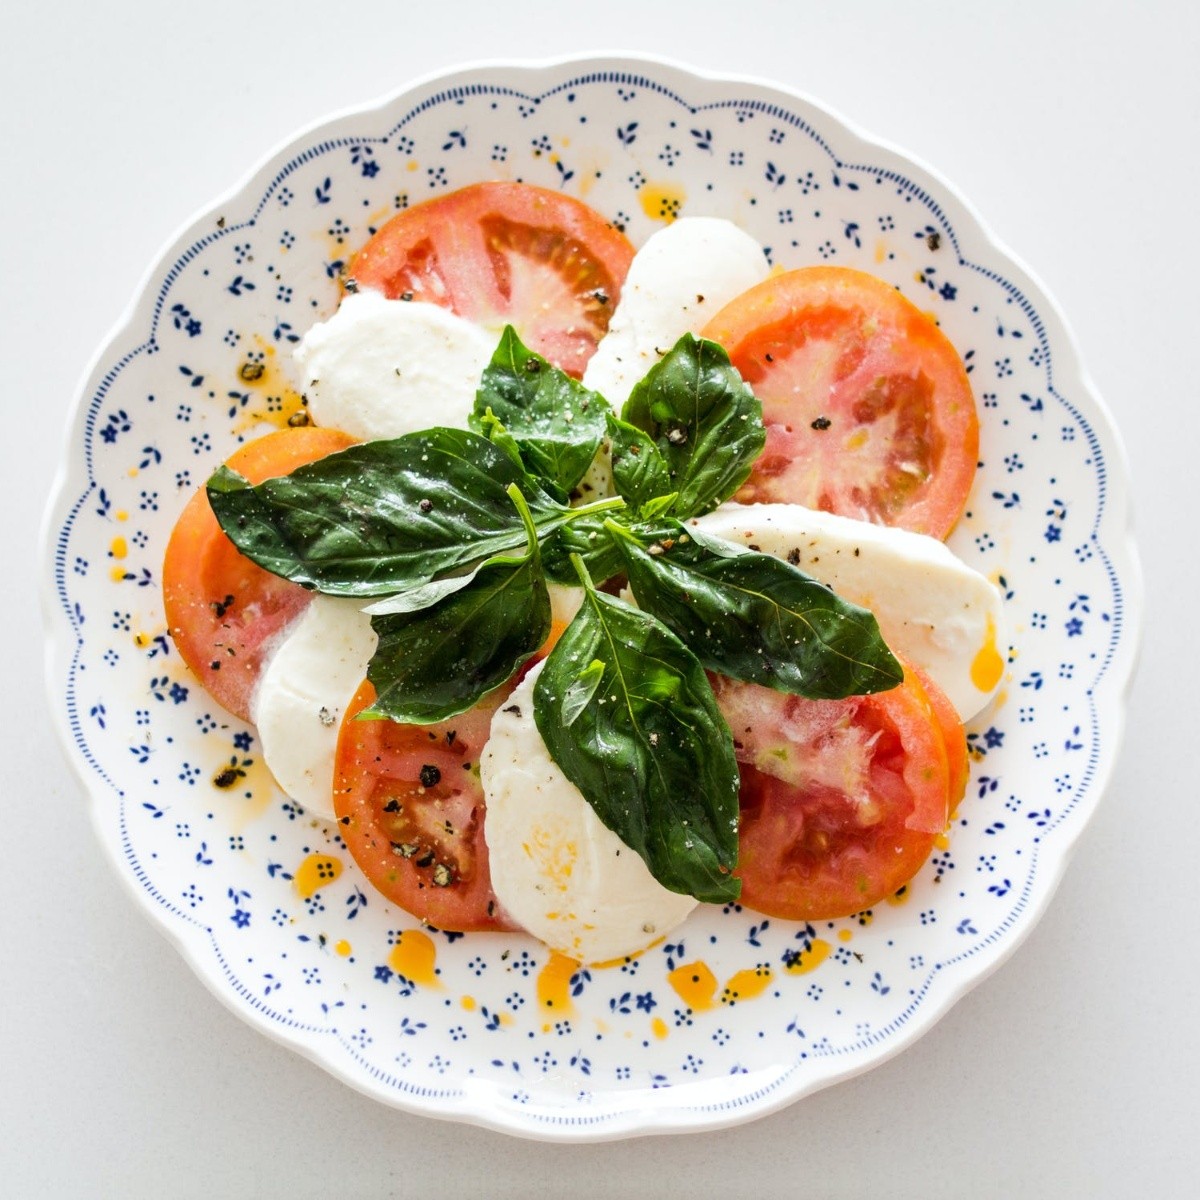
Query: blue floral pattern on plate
x=736 y=1014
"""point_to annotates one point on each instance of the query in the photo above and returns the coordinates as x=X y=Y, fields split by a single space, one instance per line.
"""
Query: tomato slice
x=223 y=611
x=410 y=808
x=868 y=408
x=953 y=734
x=506 y=253
x=841 y=800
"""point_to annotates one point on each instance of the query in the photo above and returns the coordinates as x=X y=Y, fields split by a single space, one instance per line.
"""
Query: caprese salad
x=601 y=584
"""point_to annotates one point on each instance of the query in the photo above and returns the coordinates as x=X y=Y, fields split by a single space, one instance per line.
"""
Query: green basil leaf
x=627 y=712
x=755 y=617
x=492 y=428
x=640 y=472
x=588 y=538
x=705 y=421
x=424 y=594
x=385 y=516
x=442 y=660
x=557 y=423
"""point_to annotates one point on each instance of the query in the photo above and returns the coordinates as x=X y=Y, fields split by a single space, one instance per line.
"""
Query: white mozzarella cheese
x=303 y=694
x=932 y=609
x=678 y=280
x=681 y=277
x=382 y=368
x=557 y=870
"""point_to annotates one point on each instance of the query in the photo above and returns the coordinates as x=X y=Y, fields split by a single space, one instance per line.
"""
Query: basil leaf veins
x=704 y=420
x=626 y=711
x=555 y=421
x=754 y=617
x=439 y=661
x=384 y=516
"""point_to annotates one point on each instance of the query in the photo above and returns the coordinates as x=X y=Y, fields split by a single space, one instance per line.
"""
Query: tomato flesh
x=410 y=808
x=840 y=800
x=506 y=253
x=868 y=407
x=223 y=611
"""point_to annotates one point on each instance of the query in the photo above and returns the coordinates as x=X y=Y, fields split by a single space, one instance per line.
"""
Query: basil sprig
x=460 y=530
x=626 y=711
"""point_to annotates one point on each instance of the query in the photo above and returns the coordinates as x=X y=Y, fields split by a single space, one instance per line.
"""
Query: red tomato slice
x=840 y=799
x=223 y=611
x=506 y=253
x=953 y=734
x=410 y=809
x=868 y=408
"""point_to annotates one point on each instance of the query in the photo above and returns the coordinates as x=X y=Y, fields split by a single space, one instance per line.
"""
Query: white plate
x=736 y=1015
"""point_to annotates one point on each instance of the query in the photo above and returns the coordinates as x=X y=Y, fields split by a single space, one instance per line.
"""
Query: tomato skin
x=410 y=809
x=868 y=407
x=225 y=642
x=858 y=816
x=506 y=253
x=953 y=734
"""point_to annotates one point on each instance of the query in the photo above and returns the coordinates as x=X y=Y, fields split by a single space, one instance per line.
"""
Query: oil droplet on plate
x=275 y=402
x=315 y=872
x=662 y=201
x=415 y=957
x=554 y=986
x=695 y=984
x=746 y=985
x=810 y=959
x=988 y=665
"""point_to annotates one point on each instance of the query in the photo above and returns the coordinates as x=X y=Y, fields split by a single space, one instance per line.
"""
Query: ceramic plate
x=735 y=1015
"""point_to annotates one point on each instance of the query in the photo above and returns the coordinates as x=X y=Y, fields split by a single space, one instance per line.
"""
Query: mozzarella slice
x=681 y=277
x=932 y=609
x=303 y=693
x=556 y=869
x=382 y=368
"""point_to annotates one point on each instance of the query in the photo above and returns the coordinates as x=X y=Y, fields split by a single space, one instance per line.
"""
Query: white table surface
x=1073 y=1071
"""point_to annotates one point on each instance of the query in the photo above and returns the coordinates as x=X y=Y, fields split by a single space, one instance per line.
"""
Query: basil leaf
x=705 y=421
x=587 y=538
x=492 y=428
x=382 y=517
x=626 y=711
x=557 y=423
x=640 y=472
x=442 y=660
x=755 y=617
x=423 y=595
